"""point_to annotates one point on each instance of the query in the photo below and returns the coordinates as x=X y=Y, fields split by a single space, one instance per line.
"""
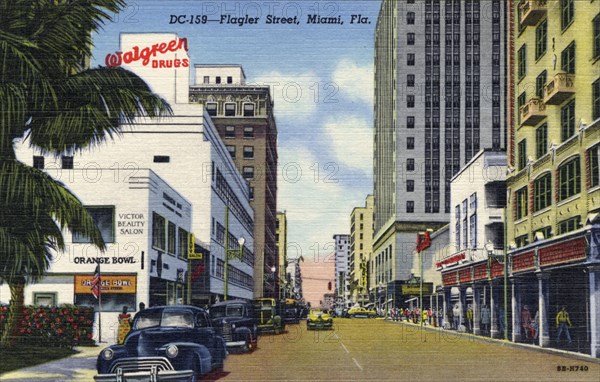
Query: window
x=520 y=102
x=541 y=141
x=410 y=59
x=410 y=185
x=522 y=58
x=457 y=226
x=218 y=80
x=171 y=238
x=410 y=164
x=231 y=150
x=211 y=109
x=410 y=206
x=410 y=18
x=569 y=225
x=596 y=99
x=522 y=241
x=596 y=36
x=206 y=79
x=540 y=81
x=410 y=100
x=541 y=39
x=230 y=109
x=567 y=58
x=521 y=205
x=594 y=166
x=251 y=193
x=410 y=122
x=248 y=132
x=473 y=228
x=162 y=159
x=38 y=162
x=67 y=162
x=410 y=39
x=410 y=80
x=567 y=8
x=104 y=219
x=248 y=172
x=522 y=150
x=248 y=110
x=229 y=79
x=248 y=152
x=569 y=181
x=230 y=132
x=410 y=143
x=567 y=120
x=542 y=192
x=158 y=231
x=44 y=299
x=546 y=232
x=182 y=243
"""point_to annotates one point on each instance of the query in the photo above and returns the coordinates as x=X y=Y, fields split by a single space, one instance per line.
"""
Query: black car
x=235 y=321
x=166 y=343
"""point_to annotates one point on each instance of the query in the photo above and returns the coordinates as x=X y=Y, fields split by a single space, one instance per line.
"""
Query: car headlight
x=232 y=326
x=108 y=354
x=172 y=351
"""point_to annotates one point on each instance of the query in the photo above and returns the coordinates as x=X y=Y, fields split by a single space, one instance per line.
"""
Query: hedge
x=61 y=326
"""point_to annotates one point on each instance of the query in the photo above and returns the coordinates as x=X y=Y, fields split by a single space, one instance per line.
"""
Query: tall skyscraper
x=243 y=116
x=361 y=249
x=439 y=99
x=342 y=255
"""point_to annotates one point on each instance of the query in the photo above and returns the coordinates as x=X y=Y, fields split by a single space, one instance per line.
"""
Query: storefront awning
x=411 y=299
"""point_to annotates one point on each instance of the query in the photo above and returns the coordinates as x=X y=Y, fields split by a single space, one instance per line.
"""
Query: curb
x=502 y=342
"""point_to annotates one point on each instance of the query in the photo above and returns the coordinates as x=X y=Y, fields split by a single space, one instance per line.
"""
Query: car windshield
x=164 y=319
x=227 y=311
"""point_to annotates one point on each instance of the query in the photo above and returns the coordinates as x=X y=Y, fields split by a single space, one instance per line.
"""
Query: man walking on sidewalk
x=562 y=320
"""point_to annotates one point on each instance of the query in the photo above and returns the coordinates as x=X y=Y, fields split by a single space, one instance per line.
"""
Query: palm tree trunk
x=15 y=314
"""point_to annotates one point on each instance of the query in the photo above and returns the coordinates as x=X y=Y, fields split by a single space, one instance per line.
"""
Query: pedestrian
x=142 y=306
x=500 y=310
x=456 y=316
x=124 y=325
x=424 y=316
x=429 y=315
x=451 y=318
x=535 y=325
x=526 y=321
x=407 y=314
x=440 y=314
x=562 y=320
x=485 y=319
x=469 y=318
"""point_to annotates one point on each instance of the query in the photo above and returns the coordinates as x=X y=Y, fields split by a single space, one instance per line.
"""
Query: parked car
x=235 y=321
x=166 y=343
x=268 y=315
x=319 y=319
x=359 y=311
x=291 y=309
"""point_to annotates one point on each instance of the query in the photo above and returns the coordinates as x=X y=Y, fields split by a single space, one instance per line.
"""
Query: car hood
x=145 y=342
x=220 y=320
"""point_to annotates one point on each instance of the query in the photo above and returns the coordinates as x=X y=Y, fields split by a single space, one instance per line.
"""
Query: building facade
x=438 y=99
x=553 y=185
x=342 y=256
x=285 y=277
x=244 y=118
x=361 y=250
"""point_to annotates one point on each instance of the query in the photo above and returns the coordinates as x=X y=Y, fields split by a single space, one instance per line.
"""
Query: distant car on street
x=235 y=321
x=319 y=319
x=267 y=311
x=166 y=343
x=359 y=311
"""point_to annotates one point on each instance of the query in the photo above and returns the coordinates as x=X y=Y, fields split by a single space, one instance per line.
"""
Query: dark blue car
x=167 y=343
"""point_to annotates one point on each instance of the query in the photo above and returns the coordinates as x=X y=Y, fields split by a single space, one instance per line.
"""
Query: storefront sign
x=110 y=284
x=131 y=224
x=145 y=55
x=414 y=289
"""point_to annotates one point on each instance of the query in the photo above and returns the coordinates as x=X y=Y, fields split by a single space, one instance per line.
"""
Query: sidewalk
x=502 y=342
x=78 y=367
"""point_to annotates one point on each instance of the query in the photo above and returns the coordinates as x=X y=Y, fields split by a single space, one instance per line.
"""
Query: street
x=363 y=350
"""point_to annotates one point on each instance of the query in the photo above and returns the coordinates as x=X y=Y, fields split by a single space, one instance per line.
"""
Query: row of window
x=568 y=184
x=230 y=109
x=234 y=275
x=465 y=221
x=230 y=132
x=564 y=226
x=248 y=151
x=166 y=236
x=218 y=79
x=227 y=195
x=567 y=56
x=66 y=162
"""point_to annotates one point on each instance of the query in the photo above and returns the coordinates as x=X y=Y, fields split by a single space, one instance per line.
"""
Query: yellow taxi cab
x=359 y=311
x=319 y=319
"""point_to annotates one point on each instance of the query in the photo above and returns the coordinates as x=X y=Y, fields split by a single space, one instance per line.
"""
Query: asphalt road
x=362 y=350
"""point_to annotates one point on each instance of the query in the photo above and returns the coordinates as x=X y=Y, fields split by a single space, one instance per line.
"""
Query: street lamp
x=235 y=253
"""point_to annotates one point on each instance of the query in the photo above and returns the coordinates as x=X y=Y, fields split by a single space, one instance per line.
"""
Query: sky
x=321 y=79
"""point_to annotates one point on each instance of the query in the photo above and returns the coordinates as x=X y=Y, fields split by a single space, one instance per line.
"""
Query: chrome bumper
x=144 y=376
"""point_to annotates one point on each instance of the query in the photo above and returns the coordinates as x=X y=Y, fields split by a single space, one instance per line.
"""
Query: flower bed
x=63 y=326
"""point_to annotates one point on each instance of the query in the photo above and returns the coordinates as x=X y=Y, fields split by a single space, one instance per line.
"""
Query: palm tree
x=49 y=98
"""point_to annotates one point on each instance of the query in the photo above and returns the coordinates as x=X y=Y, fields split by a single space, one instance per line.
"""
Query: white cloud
x=293 y=93
x=355 y=82
x=352 y=141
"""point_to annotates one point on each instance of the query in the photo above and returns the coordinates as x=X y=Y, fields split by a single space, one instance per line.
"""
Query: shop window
x=159 y=231
x=104 y=217
x=44 y=299
x=230 y=109
x=569 y=179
